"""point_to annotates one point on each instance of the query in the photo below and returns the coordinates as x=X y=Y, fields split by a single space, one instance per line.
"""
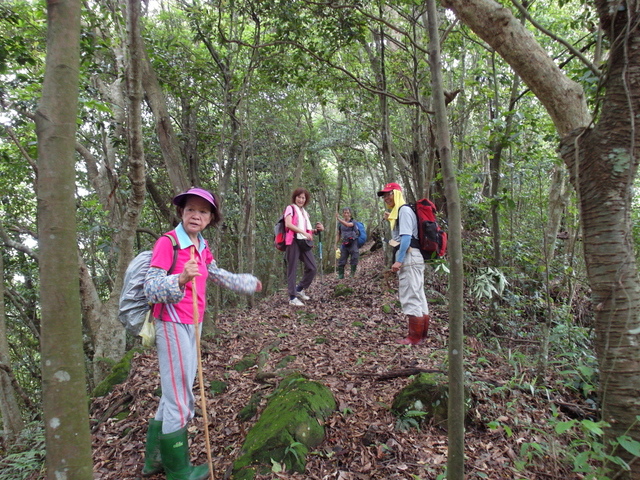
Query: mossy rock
x=428 y=393
x=342 y=290
x=217 y=386
x=246 y=363
x=251 y=408
x=285 y=361
x=290 y=426
x=119 y=374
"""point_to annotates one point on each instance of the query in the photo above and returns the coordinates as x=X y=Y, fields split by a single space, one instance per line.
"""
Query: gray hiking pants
x=411 y=284
x=178 y=361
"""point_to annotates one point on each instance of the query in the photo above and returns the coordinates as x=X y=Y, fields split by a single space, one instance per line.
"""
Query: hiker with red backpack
x=408 y=262
x=299 y=244
x=180 y=302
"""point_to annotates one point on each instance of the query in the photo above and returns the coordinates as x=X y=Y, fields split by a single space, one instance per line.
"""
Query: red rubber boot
x=416 y=326
x=425 y=327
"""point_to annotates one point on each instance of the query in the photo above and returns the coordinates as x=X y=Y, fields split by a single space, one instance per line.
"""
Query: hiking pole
x=320 y=253
x=203 y=403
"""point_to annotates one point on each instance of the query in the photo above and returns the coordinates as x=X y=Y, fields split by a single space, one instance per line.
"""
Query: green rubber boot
x=340 y=271
x=353 y=270
x=152 y=459
x=174 y=448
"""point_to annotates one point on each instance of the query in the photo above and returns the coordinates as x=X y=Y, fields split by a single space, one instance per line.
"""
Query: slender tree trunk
x=169 y=143
x=455 y=458
x=107 y=333
x=558 y=199
x=9 y=408
x=377 y=60
x=497 y=145
x=65 y=405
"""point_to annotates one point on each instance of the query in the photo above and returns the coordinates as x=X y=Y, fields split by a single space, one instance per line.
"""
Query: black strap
x=173 y=263
x=175 y=252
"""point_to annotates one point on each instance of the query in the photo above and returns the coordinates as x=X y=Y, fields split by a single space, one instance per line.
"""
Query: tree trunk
x=65 y=405
x=107 y=334
x=9 y=409
x=455 y=458
x=169 y=144
x=499 y=140
x=602 y=163
x=377 y=59
x=558 y=200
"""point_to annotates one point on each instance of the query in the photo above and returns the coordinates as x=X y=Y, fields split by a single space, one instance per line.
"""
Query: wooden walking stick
x=203 y=403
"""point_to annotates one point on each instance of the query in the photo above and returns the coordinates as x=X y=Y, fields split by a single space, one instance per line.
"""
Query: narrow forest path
x=346 y=343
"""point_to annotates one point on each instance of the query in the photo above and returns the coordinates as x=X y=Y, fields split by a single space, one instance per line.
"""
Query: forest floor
x=349 y=344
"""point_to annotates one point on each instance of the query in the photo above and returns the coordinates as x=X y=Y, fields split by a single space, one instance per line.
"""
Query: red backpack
x=280 y=232
x=433 y=240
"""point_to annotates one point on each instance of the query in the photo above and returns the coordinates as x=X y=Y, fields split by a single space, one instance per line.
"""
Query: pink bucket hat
x=198 y=192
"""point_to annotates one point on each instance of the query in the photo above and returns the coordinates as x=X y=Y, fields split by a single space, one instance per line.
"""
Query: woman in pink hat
x=174 y=312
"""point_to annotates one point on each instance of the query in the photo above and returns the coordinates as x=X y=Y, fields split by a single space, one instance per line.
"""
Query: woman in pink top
x=174 y=312
x=299 y=231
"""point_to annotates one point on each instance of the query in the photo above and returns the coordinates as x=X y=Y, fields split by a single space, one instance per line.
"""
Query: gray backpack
x=134 y=305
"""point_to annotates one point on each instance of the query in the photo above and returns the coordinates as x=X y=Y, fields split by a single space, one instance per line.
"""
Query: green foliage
x=427 y=393
x=585 y=450
x=488 y=284
x=410 y=418
x=573 y=355
x=26 y=456
x=268 y=95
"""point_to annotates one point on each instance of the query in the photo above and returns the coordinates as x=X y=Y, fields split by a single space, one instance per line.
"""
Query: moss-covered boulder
x=290 y=425
x=342 y=290
x=251 y=408
x=119 y=374
x=216 y=387
x=426 y=398
x=247 y=362
x=285 y=361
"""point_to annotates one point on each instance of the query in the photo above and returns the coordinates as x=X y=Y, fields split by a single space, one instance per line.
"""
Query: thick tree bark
x=602 y=163
x=65 y=405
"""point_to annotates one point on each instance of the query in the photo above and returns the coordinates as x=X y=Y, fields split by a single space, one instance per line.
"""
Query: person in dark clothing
x=347 y=240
